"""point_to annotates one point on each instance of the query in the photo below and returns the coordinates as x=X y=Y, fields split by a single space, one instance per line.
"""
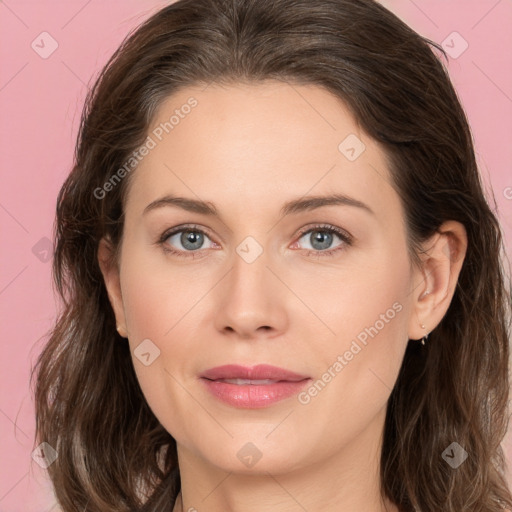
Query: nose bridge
x=249 y=270
x=250 y=297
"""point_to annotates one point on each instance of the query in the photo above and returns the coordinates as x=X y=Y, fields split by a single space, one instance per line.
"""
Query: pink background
x=40 y=102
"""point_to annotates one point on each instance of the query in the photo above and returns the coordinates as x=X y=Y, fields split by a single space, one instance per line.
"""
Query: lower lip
x=250 y=396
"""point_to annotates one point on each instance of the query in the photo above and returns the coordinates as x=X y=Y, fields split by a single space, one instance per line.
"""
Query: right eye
x=183 y=239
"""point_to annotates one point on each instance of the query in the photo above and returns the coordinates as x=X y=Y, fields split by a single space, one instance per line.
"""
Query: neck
x=346 y=481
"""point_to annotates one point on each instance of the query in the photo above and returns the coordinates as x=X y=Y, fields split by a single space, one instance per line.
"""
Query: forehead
x=257 y=144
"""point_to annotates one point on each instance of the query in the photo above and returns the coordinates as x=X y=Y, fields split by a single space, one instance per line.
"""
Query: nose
x=251 y=301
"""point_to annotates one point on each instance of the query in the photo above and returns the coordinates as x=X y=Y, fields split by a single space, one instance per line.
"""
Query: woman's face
x=264 y=281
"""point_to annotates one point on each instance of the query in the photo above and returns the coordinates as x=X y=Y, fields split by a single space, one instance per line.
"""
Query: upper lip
x=258 y=372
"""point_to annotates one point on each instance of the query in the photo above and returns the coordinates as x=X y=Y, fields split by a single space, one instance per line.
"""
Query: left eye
x=321 y=239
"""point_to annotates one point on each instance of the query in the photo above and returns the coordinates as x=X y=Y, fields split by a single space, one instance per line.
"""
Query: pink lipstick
x=253 y=387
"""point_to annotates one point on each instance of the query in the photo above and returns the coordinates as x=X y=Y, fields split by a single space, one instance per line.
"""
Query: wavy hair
x=113 y=454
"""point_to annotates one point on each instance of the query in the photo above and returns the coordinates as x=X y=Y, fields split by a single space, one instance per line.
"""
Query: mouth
x=252 y=387
x=260 y=372
x=241 y=382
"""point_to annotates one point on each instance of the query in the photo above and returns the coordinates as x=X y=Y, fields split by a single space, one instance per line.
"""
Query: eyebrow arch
x=191 y=205
x=305 y=203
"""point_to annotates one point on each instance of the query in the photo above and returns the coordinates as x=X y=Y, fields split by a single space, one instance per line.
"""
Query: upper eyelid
x=326 y=227
x=187 y=227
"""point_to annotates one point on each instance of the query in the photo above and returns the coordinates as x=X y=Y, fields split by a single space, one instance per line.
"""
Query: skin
x=248 y=149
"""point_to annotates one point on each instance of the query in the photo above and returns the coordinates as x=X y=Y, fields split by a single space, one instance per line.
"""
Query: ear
x=110 y=270
x=435 y=283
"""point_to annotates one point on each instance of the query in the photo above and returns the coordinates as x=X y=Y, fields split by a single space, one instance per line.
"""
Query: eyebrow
x=305 y=203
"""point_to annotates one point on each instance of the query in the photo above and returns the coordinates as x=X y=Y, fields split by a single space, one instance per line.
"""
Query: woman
x=281 y=278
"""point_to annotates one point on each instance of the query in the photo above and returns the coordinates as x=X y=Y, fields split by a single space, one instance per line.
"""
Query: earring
x=425 y=338
x=118 y=327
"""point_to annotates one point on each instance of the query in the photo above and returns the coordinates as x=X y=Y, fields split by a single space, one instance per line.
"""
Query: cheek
x=367 y=311
x=364 y=300
x=156 y=316
x=156 y=295
x=161 y=306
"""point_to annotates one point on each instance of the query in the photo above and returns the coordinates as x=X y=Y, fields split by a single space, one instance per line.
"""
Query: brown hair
x=89 y=405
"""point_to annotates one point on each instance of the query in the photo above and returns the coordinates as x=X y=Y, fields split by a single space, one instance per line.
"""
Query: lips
x=261 y=372
x=252 y=388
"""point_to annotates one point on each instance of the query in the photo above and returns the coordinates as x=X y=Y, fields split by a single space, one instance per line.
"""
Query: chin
x=255 y=455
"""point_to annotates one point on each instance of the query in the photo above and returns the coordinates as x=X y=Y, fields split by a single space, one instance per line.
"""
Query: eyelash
x=343 y=235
